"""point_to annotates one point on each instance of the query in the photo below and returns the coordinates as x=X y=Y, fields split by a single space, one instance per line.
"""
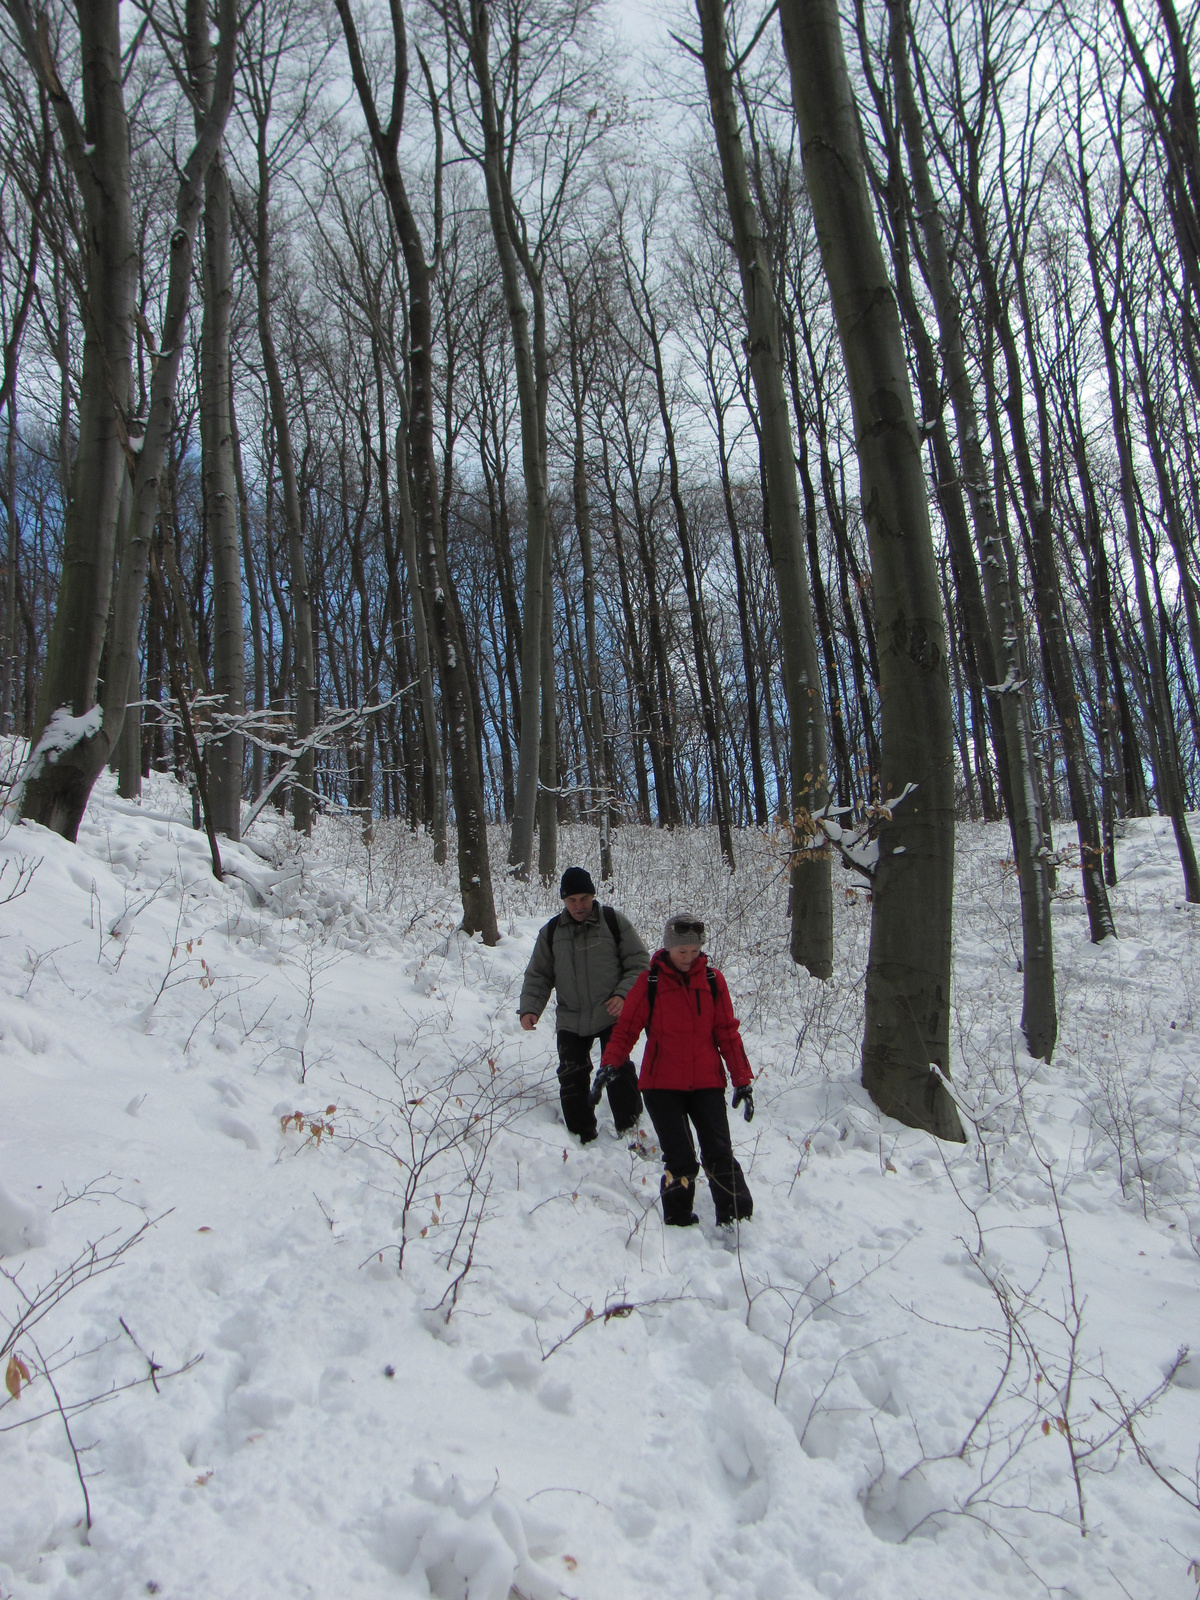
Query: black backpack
x=609 y=915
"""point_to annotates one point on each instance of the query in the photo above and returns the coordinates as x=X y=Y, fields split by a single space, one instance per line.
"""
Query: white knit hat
x=683 y=928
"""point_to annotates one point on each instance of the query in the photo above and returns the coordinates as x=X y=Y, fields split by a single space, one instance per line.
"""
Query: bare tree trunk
x=128 y=752
x=1170 y=785
x=659 y=720
x=811 y=888
x=548 y=742
x=99 y=155
x=749 y=668
x=1060 y=682
x=641 y=695
x=302 y=666
x=812 y=898
x=643 y=307
x=1010 y=697
x=12 y=557
x=529 y=360
x=97 y=151
x=474 y=870
x=601 y=796
x=252 y=591
x=224 y=753
x=416 y=600
x=906 y=1046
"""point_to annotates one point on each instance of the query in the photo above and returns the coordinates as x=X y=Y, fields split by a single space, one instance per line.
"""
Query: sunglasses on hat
x=686 y=925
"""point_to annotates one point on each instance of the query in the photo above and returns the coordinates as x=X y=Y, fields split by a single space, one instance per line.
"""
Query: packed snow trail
x=305 y=1074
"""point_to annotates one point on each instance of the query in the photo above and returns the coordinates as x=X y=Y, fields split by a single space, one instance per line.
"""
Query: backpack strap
x=610 y=917
x=548 y=933
x=652 y=992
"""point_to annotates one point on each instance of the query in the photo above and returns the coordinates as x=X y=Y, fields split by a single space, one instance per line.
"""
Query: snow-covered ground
x=238 y=1106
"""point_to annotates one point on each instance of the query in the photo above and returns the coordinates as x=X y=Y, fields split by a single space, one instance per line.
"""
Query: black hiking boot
x=677 y=1196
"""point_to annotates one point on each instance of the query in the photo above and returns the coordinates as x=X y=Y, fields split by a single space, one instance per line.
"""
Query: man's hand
x=614 y=1005
x=529 y=1021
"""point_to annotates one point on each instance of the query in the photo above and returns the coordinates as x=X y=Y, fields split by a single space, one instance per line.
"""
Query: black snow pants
x=670 y=1112
x=575 y=1085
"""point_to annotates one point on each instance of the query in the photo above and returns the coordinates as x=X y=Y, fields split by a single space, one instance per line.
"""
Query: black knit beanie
x=576 y=880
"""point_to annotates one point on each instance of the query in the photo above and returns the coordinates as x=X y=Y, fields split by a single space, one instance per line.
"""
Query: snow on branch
x=812 y=834
x=269 y=729
x=256 y=725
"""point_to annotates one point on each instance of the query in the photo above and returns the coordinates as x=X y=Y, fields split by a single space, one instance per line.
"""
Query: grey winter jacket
x=586 y=968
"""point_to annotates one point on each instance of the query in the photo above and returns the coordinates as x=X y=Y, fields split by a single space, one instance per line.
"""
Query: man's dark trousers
x=575 y=1085
x=670 y=1111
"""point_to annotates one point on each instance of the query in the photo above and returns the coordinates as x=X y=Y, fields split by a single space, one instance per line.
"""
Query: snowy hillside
x=415 y=1341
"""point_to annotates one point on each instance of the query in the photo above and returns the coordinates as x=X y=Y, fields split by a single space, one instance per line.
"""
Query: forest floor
x=285 y=1137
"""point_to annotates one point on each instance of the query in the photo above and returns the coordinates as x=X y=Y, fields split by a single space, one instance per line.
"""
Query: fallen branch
x=618 y=1310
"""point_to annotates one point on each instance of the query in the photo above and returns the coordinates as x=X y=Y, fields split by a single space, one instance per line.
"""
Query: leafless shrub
x=435 y=1135
x=28 y=1313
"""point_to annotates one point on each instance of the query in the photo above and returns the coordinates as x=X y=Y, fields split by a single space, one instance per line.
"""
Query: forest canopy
x=442 y=411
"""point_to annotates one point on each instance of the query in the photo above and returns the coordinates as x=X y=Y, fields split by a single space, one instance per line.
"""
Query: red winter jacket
x=689 y=1034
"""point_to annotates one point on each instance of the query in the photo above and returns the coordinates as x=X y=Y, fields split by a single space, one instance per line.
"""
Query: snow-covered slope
x=236 y=1105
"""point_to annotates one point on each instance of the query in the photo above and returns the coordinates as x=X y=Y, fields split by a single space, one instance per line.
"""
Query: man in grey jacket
x=590 y=955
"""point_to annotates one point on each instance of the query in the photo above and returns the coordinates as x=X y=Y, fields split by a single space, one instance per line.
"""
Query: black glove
x=604 y=1076
x=744 y=1095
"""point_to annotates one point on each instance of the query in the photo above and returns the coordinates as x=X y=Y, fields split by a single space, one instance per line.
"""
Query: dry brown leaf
x=16 y=1374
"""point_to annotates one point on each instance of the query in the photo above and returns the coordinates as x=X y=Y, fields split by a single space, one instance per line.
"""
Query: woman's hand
x=744 y=1096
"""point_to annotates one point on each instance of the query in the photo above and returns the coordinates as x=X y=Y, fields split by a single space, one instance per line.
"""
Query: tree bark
x=529 y=360
x=1009 y=693
x=601 y=797
x=811 y=885
x=548 y=741
x=99 y=155
x=474 y=869
x=640 y=300
x=224 y=752
x=416 y=598
x=301 y=667
x=906 y=1046
x=253 y=594
x=97 y=151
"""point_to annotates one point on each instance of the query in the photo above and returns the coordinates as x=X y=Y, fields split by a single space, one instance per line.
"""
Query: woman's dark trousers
x=575 y=1086
x=670 y=1111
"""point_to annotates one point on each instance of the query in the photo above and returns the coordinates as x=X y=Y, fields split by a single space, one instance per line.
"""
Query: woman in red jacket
x=684 y=1006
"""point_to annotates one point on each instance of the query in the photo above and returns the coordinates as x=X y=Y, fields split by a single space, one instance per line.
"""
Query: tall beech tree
x=515 y=102
x=225 y=750
x=97 y=152
x=1007 y=686
x=466 y=776
x=812 y=890
x=262 y=62
x=906 y=1043
x=636 y=270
